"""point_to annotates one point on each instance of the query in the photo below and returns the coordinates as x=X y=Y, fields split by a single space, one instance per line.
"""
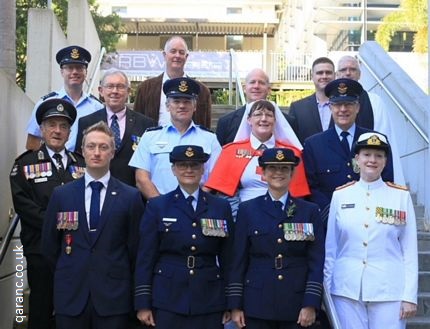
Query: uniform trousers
x=170 y=320
x=356 y=314
x=40 y=279
x=254 y=323
x=89 y=319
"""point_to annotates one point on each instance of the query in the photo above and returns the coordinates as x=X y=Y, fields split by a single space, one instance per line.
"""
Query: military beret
x=278 y=156
x=56 y=107
x=343 y=90
x=188 y=153
x=372 y=140
x=73 y=55
x=181 y=88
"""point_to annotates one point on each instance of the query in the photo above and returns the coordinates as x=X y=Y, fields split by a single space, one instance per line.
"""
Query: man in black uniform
x=34 y=176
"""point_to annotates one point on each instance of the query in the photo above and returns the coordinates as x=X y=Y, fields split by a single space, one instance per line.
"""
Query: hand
x=238 y=317
x=226 y=317
x=145 y=316
x=407 y=310
x=307 y=316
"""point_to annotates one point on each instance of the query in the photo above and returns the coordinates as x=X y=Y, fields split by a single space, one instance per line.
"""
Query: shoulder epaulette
x=346 y=185
x=95 y=98
x=153 y=128
x=243 y=141
x=205 y=129
x=22 y=154
x=51 y=94
x=397 y=186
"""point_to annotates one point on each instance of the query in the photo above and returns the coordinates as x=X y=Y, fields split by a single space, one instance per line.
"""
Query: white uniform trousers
x=355 y=314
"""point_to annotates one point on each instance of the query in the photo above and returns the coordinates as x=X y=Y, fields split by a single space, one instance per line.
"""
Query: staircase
x=422 y=319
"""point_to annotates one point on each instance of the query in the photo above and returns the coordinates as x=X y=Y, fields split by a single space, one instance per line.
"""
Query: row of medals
x=299 y=232
x=214 y=227
x=390 y=216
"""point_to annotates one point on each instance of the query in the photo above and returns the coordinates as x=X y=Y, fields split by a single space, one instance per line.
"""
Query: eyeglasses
x=260 y=114
x=183 y=165
x=119 y=86
x=101 y=147
x=71 y=68
x=347 y=105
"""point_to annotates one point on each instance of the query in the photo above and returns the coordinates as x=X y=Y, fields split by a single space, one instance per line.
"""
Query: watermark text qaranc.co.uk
x=19 y=284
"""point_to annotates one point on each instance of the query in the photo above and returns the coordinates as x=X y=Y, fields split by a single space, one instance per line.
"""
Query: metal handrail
x=401 y=108
x=330 y=309
x=96 y=70
x=239 y=90
x=8 y=236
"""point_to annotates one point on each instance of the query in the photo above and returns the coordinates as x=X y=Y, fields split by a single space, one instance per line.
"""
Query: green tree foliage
x=412 y=16
x=107 y=28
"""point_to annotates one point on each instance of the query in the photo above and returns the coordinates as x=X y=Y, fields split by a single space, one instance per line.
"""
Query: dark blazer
x=148 y=95
x=135 y=126
x=100 y=263
x=229 y=123
x=179 y=269
x=274 y=275
x=328 y=166
x=307 y=118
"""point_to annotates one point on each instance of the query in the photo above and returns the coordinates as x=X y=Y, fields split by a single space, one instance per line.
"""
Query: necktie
x=344 y=142
x=59 y=162
x=95 y=204
x=262 y=147
x=190 y=200
x=114 y=126
x=278 y=204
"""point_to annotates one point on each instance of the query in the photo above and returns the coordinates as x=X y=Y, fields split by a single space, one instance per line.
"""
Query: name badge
x=347 y=205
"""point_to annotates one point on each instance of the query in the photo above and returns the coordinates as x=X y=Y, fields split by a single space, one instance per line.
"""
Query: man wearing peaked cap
x=33 y=178
x=328 y=155
x=188 y=153
x=73 y=55
x=181 y=87
x=150 y=97
x=151 y=159
x=192 y=244
x=73 y=62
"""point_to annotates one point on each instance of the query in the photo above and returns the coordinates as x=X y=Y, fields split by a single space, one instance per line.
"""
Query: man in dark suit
x=34 y=176
x=150 y=98
x=130 y=125
x=327 y=156
x=89 y=238
x=312 y=114
x=257 y=86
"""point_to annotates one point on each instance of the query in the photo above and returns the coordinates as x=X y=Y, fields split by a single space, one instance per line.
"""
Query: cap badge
x=189 y=152
x=374 y=140
x=342 y=88
x=280 y=155
x=183 y=87
x=60 y=108
x=74 y=54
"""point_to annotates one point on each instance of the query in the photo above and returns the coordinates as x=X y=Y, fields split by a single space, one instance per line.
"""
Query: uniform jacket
x=328 y=166
x=307 y=118
x=271 y=277
x=31 y=193
x=229 y=123
x=167 y=275
x=234 y=158
x=370 y=256
x=100 y=263
x=148 y=101
x=135 y=126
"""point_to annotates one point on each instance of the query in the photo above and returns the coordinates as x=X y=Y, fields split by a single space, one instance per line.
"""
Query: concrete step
x=424 y=261
x=419 y=322
x=424 y=281
x=423 y=241
x=423 y=309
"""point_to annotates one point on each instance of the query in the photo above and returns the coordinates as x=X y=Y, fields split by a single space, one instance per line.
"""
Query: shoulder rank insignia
x=346 y=185
x=95 y=98
x=397 y=186
x=153 y=128
x=51 y=94
x=205 y=129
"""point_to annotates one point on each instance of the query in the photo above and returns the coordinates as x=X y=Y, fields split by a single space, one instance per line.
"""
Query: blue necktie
x=344 y=142
x=190 y=200
x=278 y=204
x=114 y=126
x=95 y=204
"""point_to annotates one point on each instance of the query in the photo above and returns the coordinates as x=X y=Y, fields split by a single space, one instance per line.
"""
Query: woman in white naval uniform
x=371 y=265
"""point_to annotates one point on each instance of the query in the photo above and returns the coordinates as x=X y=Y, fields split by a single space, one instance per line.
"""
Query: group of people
x=148 y=210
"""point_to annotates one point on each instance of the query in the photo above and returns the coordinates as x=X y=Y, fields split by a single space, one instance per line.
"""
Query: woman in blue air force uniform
x=183 y=250
x=278 y=254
